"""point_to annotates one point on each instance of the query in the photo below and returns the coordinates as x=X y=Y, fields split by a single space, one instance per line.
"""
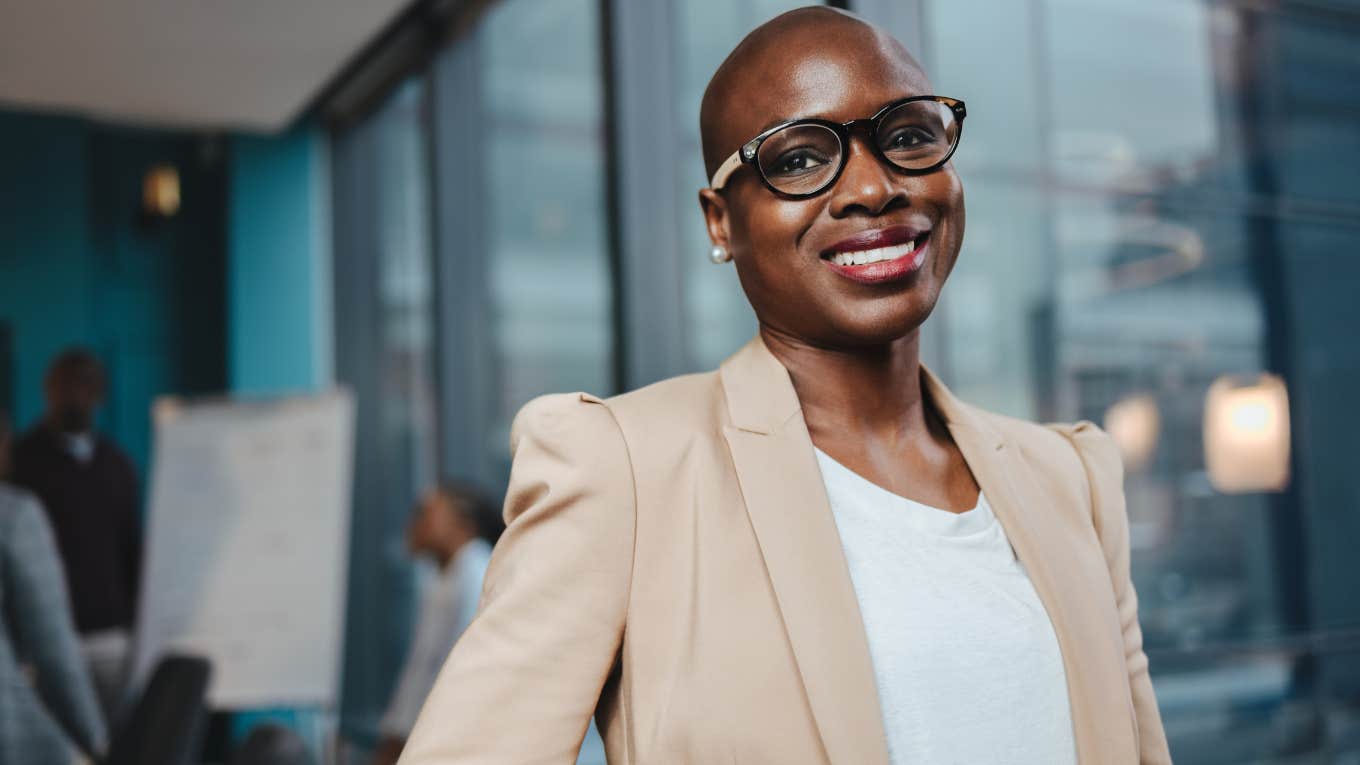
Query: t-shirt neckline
x=844 y=484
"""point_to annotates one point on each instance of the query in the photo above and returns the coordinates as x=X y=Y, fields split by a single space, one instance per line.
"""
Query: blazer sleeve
x=40 y=615
x=525 y=678
x=1105 y=474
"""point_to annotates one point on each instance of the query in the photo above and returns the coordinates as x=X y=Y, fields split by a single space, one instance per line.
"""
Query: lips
x=879 y=255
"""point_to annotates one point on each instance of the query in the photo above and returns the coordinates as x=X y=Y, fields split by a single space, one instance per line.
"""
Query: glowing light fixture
x=1246 y=434
x=160 y=191
x=1135 y=422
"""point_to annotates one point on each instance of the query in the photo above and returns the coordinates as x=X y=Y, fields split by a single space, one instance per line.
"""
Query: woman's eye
x=798 y=161
x=907 y=138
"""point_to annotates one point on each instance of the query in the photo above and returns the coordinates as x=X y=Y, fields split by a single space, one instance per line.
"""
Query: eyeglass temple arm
x=725 y=170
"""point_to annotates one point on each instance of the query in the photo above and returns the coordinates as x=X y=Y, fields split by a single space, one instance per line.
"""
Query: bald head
x=816 y=51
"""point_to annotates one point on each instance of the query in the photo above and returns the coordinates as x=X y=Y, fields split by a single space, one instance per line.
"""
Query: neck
x=871 y=391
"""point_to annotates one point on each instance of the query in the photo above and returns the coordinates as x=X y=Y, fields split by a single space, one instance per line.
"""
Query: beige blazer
x=672 y=566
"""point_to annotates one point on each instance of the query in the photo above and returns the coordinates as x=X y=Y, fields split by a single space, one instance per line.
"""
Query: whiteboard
x=247 y=545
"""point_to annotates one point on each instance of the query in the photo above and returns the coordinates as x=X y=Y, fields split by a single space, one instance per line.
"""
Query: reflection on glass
x=385 y=353
x=405 y=294
x=1106 y=275
x=1132 y=87
x=547 y=242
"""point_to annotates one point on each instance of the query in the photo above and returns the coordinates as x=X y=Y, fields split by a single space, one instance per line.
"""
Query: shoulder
x=667 y=420
x=669 y=406
x=115 y=452
x=677 y=399
x=559 y=417
x=21 y=514
x=31 y=441
x=1074 y=453
x=1068 y=444
x=15 y=502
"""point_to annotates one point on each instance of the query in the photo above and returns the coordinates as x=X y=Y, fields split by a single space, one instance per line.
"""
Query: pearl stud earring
x=719 y=255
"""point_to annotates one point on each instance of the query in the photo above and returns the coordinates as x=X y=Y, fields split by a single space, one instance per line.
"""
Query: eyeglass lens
x=805 y=158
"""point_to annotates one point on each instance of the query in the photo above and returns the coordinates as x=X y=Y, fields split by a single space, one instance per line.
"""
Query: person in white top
x=448 y=525
x=965 y=658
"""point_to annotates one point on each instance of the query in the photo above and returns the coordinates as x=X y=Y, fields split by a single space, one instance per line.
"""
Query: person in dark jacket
x=48 y=709
x=89 y=489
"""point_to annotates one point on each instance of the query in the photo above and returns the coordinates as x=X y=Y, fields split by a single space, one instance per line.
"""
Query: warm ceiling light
x=1134 y=422
x=1246 y=434
x=160 y=191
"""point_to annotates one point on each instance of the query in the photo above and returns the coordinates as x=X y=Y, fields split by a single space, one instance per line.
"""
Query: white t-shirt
x=446 y=609
x=965 y=658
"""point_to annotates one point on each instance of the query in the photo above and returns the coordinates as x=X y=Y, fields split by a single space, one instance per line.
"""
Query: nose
x=866 y=185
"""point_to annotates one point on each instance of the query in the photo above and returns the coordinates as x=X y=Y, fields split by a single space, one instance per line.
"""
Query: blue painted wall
x=233 y=294
x=44 y=247
x=279 y=298
x=279 y=282
x=79 y=266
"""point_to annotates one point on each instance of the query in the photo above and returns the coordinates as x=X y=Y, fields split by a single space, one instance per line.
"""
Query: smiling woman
x=816 y=554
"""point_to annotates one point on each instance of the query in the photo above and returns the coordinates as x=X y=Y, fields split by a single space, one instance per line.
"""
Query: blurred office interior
x=451 y=207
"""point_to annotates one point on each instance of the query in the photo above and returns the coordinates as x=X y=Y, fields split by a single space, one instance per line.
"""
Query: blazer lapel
x=782 y=487
x=1069 y=575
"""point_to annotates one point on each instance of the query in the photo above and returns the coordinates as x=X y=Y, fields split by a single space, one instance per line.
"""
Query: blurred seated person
x=454 y=525
x=48 y=709
x=89 y=489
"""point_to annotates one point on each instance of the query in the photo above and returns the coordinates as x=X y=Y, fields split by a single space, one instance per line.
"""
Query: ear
x=715 y=217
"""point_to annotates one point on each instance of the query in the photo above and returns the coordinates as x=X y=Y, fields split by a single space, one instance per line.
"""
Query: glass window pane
x=1316 y=121
x=1133 y=98
x=385 y=354
x=1002 y=131
x=547 y=242
x=1174 y=214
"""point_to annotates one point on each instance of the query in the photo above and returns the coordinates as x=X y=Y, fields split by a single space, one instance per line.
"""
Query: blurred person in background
x=89 y=489
x=48 y=709
x=815 y=554
x=454 y=525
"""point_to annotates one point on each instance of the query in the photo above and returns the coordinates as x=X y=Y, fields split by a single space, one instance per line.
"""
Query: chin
x=893 y=320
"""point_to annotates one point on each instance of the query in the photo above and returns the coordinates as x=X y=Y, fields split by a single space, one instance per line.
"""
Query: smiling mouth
x=876 y=247
x=877 y=254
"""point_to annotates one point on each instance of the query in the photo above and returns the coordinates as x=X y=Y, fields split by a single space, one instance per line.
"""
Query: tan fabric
x=672 y=565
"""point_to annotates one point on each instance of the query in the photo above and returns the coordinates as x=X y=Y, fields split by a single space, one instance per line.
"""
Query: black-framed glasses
x=802 y=158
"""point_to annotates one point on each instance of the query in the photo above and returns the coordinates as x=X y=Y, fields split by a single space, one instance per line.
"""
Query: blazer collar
x=791 y=515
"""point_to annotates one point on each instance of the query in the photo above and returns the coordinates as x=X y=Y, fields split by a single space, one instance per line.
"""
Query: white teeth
x=861 y=257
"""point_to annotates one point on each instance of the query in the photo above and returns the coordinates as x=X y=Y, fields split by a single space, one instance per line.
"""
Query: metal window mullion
x=465 y=365
x=643 y=190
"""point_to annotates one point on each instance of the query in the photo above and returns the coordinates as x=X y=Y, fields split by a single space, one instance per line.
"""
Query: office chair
x=165 y=726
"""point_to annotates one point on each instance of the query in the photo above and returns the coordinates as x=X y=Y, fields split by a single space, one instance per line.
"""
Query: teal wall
x=279 y=298
x=279 y=280
x=45 y=263
x=79 y=265
x=232 y=294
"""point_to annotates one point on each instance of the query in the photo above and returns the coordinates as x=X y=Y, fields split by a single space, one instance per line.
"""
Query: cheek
x=947 y=191
x=767 y=242
x=767 y=227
